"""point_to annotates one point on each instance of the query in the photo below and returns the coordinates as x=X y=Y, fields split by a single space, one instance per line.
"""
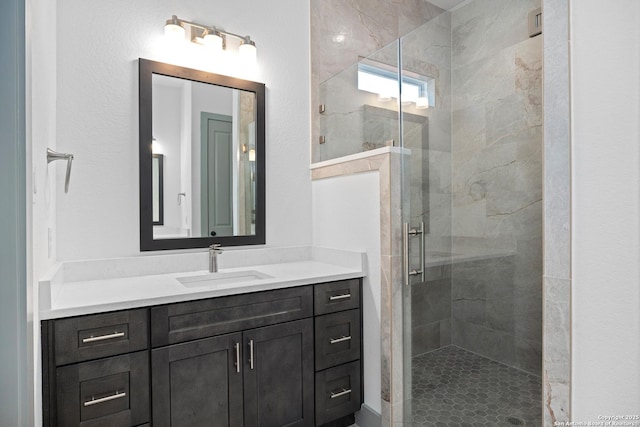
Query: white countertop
x=78 y=288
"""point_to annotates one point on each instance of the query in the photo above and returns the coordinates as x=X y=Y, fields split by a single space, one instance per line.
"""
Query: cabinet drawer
x=337 y=296
x=78 y=339
x=110 y=392
x=188 y=321
x=338 y=392
x=337 y=338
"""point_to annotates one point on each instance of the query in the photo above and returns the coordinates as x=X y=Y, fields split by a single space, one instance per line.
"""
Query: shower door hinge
x=322 y=139
x=322 y=108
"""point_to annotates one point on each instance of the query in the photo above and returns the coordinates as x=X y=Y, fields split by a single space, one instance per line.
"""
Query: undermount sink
x=218 y=279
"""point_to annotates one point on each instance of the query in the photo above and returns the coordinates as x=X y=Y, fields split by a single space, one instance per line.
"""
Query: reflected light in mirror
x=422 y=103
x=252 y=155
x=156 y=148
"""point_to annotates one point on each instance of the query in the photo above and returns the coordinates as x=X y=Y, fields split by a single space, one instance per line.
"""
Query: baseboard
x=367 y=417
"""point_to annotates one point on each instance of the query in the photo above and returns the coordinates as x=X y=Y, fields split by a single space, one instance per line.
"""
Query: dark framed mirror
x=205 y=134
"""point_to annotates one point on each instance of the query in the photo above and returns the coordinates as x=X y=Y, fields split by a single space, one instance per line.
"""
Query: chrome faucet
x=214 y=250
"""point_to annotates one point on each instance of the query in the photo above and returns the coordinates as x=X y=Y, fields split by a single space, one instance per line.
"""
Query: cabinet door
x=198 y=383
x=278 y=375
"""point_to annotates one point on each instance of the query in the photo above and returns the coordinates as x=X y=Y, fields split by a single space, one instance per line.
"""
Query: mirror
x=202 y=177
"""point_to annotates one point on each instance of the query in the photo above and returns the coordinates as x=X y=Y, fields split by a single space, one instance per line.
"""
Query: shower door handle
x=406 y=234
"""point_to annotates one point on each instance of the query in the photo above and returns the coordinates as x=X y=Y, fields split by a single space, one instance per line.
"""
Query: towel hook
x=52 y=156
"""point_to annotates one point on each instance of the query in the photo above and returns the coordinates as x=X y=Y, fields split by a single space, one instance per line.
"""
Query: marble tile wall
x=426 y=51
x=349 y=123
x=431 y=313
x=557 y=215
x=344 y=31
x=497 y=181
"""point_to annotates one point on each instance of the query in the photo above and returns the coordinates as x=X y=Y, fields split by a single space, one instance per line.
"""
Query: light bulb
x=247 y=51
x=213 y=41
x=173 y=30
x=252 y=155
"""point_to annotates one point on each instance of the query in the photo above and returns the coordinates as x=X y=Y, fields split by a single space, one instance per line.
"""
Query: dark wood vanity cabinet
x=338 y=351
x=285 y=357
x=259 y=373
x=95 y=370
x=269 y=383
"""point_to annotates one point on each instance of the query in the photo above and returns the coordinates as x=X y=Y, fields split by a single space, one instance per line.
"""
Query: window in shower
x=418 y=90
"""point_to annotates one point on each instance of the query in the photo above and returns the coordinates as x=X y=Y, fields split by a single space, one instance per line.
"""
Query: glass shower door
x=472 y=192
x=426 y=140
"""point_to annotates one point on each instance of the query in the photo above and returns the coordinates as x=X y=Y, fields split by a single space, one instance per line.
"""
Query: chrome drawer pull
x=339 y=297
x=340 y=393
x=95 y=401
x=103 y=337
x=237 y=357
x=341 y=339
x=250 y=354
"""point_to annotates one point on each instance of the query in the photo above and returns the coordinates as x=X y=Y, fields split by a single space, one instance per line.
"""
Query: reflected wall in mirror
x=208 y=131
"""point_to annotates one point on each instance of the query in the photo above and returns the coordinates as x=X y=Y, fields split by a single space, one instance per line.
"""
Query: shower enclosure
x=460 y=97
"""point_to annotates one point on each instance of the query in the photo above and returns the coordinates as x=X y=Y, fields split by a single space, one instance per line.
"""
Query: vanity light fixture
x=211 y=37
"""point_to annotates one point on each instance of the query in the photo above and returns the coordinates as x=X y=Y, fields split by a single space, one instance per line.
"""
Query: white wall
x=167 y=129
x=98 y=45
x=346 y=215
x=605 y=63
x=42 y=187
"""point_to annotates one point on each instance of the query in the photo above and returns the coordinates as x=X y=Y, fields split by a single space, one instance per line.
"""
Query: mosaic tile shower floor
x=453 y=387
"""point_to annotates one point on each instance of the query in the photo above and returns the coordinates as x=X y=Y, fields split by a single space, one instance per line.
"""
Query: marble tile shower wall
x=497 y=181
x=427 y=51
x=354 y=120
x=342 y=32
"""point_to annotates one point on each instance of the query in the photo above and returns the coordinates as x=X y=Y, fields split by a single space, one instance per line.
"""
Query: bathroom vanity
x=260 y=352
